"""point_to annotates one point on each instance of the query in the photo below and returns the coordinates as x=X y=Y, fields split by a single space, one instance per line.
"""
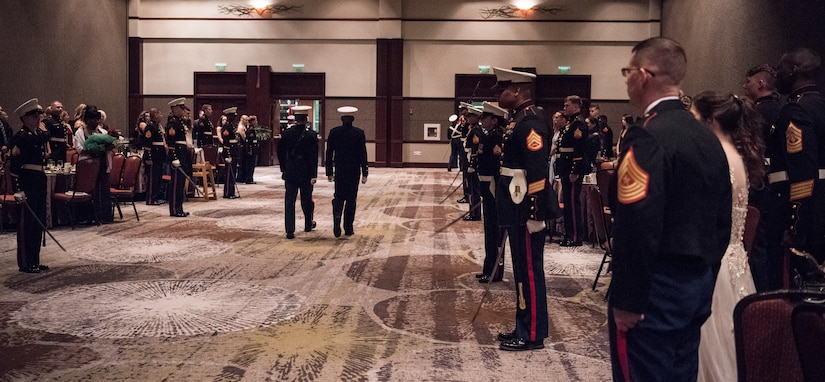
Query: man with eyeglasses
x=672 y=224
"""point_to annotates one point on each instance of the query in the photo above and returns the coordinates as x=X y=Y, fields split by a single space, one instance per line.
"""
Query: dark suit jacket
x=673 y=201
x=298 y=154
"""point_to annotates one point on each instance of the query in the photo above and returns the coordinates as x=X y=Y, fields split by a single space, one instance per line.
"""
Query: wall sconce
x=509 y=11
x=484 y=69
x=298 y=68
x=564 y=69
x=258 y=8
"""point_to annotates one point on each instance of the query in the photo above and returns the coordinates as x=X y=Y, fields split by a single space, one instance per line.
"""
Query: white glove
x=363 y=180
x=19 y=196
x=534 y=226
x=331 y=178
x=176 y=163
x=313 y=180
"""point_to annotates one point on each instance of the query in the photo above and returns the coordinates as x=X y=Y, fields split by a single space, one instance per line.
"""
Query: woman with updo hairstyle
x=736 y=123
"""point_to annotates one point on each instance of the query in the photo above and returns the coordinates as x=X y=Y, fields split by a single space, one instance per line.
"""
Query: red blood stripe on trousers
x=531 y=280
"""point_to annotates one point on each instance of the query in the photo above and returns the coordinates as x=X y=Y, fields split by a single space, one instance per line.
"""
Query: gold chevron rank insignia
x=148 y=134
x=793 y=139
x=577 y=134
x=475 y=139
x=536 y=186
x=534 y=141
x=632 y=180
x=802 y=190
x=172 y=132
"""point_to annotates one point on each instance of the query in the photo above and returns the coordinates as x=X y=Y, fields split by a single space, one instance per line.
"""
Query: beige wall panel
x=349 y=66
x=426 y=111
x=579 y=10
x=430 y=68
x=526 y=31
x=364 y=117
x=209 y=9
x=258 y=29
x=437 y=152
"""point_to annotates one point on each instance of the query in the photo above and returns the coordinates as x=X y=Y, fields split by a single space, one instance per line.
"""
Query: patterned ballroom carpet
x=223 y=296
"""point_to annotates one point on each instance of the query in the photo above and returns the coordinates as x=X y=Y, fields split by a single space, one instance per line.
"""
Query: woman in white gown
x=735 y=122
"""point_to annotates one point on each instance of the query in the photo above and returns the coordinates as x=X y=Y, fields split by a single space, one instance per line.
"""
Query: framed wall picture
x=432 y=131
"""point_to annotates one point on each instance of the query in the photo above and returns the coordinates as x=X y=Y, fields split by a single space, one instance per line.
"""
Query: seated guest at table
x=27 y=153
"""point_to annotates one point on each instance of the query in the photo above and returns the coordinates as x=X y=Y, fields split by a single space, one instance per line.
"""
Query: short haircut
x=595 y=106
x=766 y=73
x=574 y=99
x=205 y=106
x=663 y=57
x=806 y=60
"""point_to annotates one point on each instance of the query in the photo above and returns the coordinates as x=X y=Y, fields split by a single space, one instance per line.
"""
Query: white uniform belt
x=822 y=173
x=506 y=171
x=207 y=133
x=565 y=149
x=233 y=141
x=180 y=142
x=58 y=139
x=33 y=167
x=157 y=143
x=776 y=177
x=485 y=178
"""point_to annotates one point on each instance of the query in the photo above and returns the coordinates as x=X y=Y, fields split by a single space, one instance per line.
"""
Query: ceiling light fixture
x=260 y=7
x=517 y=11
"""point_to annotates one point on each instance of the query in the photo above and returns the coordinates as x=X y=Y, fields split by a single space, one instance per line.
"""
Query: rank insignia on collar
x=534 y=141
x=632 y=180
x=793 y=139
x=577 y=134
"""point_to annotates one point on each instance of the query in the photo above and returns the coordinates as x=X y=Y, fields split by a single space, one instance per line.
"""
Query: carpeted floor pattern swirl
x=222 y=295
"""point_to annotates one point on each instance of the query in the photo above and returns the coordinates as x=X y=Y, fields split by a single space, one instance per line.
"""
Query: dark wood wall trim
x=389 y=102
x=135 y=85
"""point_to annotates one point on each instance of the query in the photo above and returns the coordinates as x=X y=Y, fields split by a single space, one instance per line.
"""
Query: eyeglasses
x=626 y=71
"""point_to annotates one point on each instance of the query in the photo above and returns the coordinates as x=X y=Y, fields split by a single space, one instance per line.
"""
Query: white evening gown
x=717 y=349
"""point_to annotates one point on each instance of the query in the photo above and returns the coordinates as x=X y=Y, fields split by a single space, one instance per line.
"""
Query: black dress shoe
x=506 y=336
x=310 y=228
x=336 y=231
x=31 y=270
x=471 y=219
x=570 y=243
x=181 y=214
x=486 y=279
x=231 y=197
x=479 y=275
x=290 y=235
x=462 y=200
x=349 y=233
x=42 y=267
x=519 y=344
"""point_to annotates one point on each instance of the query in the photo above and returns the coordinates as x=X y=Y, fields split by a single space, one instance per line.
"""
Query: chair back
x=116 y=173
x=7 y=182
x=131 y=170
x=751 y=223
x=71 y=155
x=210 y=154
x=809 y=333
x=86 y=175
x=604 y=180
x=597 y=213
x=764 y=335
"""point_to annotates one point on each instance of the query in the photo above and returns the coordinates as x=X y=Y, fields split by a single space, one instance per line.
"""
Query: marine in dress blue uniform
x=154 y=157
x=28 y=148
x=487 y=164
x=571 y=167
x=522 y=196
x=204 y=131
x=298 y=157
x=59 y=135
x=176 y=127
x=796 y=76
x=473 y=192
x=228 y=139
x=672 y=224
x=346 y=163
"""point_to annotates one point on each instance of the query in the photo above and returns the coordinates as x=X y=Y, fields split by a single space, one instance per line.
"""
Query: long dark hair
x=737 y=117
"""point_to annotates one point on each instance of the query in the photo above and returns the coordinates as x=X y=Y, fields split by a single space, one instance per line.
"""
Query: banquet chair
x=210 y=155
x=71 y=155
x=117 y=169
x=7 y=190
x=751 y=223
x=82 y=193
x=599 y=214
x=124 y=191
x=809 y=333
x=764 y=335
